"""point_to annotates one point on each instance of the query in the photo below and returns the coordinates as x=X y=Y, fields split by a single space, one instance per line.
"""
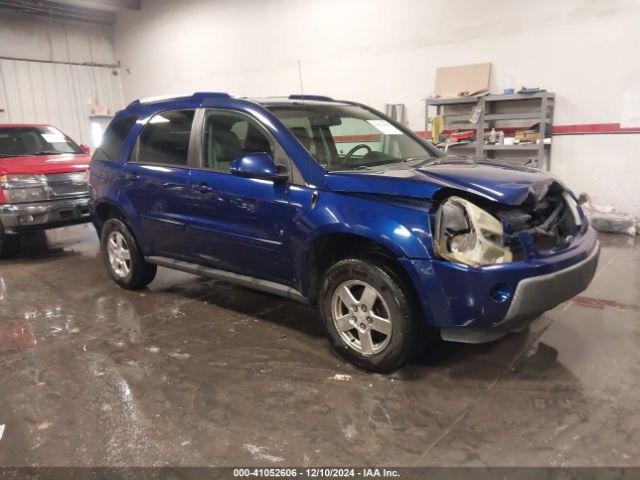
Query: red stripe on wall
x=578 y=129
x=372 y=137
x=592 y=128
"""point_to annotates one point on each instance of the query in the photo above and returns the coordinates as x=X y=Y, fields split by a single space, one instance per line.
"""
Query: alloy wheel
x=119 y=254
x=361 y=317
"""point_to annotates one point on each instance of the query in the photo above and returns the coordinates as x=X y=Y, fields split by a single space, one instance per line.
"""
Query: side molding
x=235 y=278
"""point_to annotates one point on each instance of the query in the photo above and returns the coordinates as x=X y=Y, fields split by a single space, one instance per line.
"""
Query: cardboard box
x=462 y=80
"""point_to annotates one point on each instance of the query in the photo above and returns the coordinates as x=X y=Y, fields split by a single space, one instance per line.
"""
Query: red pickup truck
x=43 y=182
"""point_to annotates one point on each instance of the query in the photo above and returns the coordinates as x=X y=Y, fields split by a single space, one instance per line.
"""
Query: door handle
x=132 y=177
x=204 y=188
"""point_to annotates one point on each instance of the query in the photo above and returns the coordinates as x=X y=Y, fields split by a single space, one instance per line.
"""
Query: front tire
x=370 y=314
x=122 y=257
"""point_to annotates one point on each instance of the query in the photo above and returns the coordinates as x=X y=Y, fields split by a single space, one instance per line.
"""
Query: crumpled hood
x=44 y=164
x=498 y=181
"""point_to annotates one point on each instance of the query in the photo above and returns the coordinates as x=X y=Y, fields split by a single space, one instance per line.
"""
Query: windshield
x=35 y=140
x=349 y=137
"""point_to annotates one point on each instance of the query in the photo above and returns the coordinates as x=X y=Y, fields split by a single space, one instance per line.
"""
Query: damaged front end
x=476 y=232
x=542 y=224
x=502 y=265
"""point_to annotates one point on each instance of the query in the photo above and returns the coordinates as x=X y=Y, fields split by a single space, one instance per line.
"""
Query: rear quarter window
x=165 y=138
x=114 y=137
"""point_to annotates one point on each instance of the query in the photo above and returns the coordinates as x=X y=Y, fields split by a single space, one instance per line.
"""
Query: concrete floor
x=195 y=372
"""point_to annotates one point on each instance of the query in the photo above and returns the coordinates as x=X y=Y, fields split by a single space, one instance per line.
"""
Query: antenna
x=301 y=87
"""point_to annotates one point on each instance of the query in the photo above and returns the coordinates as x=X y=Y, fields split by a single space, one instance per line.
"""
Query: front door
x=240 y=224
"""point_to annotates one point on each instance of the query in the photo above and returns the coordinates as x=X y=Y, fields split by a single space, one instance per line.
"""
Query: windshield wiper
x=383 y=163
x=423 y=160
x=48 y=152
x=420 y=158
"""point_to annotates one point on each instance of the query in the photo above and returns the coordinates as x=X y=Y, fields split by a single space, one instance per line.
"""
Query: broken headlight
x=465 y=233
x=573 y=208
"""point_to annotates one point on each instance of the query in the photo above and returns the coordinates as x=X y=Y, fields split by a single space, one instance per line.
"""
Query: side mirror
x=86 y=149
x=259 y=165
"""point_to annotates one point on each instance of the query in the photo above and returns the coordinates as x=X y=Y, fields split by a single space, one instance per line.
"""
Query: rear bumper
x=470 y=303
x=24 y=217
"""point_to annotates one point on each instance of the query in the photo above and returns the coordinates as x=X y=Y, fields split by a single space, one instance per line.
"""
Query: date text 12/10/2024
x=316 y=472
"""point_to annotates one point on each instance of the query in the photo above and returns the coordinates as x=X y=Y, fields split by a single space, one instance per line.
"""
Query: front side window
x=229 y=134
x=165 y=138
x=349 y=137
x=35 y=140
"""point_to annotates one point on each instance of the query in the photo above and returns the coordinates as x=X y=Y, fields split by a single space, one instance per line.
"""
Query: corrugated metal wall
x=59 y=94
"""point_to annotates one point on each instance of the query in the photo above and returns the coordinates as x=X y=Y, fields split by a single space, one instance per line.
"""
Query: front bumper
x=535 y=295
x=475 y=304
x=24 y=217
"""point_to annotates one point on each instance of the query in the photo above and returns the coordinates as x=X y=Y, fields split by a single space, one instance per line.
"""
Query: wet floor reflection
x=16 y=335
x=197 y=372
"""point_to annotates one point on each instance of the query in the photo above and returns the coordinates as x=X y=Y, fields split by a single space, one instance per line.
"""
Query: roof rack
x=320 y=98
x=191 y=96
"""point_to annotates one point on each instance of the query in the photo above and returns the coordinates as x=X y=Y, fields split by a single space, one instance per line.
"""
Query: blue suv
x=335 y=204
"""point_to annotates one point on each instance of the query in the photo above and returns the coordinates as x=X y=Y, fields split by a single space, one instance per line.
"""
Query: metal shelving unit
x=500 y=112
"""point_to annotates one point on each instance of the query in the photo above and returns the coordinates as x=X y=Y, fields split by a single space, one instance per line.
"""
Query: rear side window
x=165 y=138
x=113 y=138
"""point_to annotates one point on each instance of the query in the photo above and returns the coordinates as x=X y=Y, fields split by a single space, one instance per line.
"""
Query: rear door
x=240 y=224
x=157 y=183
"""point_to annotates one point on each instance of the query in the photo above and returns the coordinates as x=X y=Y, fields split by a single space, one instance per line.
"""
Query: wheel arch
x=107 y=207
x=105 y=210
x=330 y=247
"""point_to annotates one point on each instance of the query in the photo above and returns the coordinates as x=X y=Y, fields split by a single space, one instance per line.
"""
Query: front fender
x=392 y=235
x=401 y=228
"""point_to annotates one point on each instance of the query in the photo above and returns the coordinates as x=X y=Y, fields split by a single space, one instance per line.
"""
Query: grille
x=67 y=184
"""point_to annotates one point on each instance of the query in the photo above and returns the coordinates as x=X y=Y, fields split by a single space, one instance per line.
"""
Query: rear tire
x=122 y=257
x=382 y=328
x=9 y=245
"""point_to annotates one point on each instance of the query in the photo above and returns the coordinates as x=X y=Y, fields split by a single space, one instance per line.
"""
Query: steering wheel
x=350 y=153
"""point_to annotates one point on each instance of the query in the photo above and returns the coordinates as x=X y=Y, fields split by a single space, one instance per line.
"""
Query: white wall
x=44 y=91
x=378 y=52
x=40 y=38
